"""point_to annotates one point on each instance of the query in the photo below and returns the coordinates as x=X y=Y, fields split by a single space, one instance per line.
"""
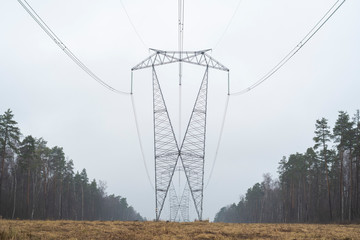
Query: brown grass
x=17 y=229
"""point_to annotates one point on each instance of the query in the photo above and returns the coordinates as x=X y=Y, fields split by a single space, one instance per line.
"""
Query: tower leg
x=192 y=151
x=165 y=146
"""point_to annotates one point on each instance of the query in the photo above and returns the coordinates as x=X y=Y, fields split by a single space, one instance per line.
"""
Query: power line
x=63 y=47
x=133 y=26
x=140 y=142
x=308 y=36
x=181 y=15
x=219 y=141
x=228 y=25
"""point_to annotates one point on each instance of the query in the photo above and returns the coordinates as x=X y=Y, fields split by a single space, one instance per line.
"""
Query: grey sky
x=54 y=99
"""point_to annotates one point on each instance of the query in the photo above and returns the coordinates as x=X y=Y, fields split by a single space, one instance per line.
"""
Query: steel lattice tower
x=166 y=147
x=167 y=151
x=179 y=207
x=192 y=152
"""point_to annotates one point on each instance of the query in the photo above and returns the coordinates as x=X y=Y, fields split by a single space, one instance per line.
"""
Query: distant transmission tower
x=168 y=150
x=179 y=204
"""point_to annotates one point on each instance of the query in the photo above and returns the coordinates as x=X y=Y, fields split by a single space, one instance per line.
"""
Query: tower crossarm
x=160 y=57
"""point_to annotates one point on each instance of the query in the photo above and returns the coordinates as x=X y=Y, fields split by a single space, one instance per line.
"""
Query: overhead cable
x=181 y=10
x=308 y=36
x=140 y=142
x=133 y=26
x=219 y=140
x=228 y=25
x=63 y=47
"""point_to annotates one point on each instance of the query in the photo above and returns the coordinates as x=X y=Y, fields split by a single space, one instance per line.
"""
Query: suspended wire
x=68 y=52
x=228 y=25
x=181 y=10
x=181 y=48
x=133 y=26
x=140 y=142
x=219 y=140
x=182 y=24
x=180 y=112
x=308 y=36
x=181 y=15
x=76 y=60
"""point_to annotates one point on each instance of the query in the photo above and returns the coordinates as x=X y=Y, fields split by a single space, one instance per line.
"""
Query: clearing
x=18 y=229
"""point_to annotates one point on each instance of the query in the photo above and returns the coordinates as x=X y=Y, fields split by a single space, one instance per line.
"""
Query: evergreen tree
x=356 y=133
x=27 y=164
x=43 y=156
x=306 y=181
x=322 y=137
x=343 y=135
x=38 y=182
x=9 y=140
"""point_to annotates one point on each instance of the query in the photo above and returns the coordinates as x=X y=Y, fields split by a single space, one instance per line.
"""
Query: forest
x=39 y=182
x=320 y=185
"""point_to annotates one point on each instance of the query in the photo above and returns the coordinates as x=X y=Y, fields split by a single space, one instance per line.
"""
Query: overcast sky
x=52 y=98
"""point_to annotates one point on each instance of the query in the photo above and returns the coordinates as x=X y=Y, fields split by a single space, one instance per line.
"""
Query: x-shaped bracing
x=167 y=150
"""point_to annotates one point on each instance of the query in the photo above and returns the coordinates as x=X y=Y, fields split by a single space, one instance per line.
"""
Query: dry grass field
x=17 y=229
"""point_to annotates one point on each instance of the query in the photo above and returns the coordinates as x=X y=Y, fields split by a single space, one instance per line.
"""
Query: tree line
x=39 y=182
x=320 y=185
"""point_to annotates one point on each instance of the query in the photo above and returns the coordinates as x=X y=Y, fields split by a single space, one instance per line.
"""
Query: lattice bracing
x=179 y=205
x=166 y=147
x=174 y=202
x=184 y=203
x=192 y=151
x=160 y=57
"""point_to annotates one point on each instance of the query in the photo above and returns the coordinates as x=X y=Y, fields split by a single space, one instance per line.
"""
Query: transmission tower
x=167 y=151
x=179 y=204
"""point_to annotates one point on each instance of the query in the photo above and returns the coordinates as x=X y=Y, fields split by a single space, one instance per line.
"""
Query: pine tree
x=26 y=163
x=357 y=159
x=342 y=133
x=322 y=137
x=9 y=139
